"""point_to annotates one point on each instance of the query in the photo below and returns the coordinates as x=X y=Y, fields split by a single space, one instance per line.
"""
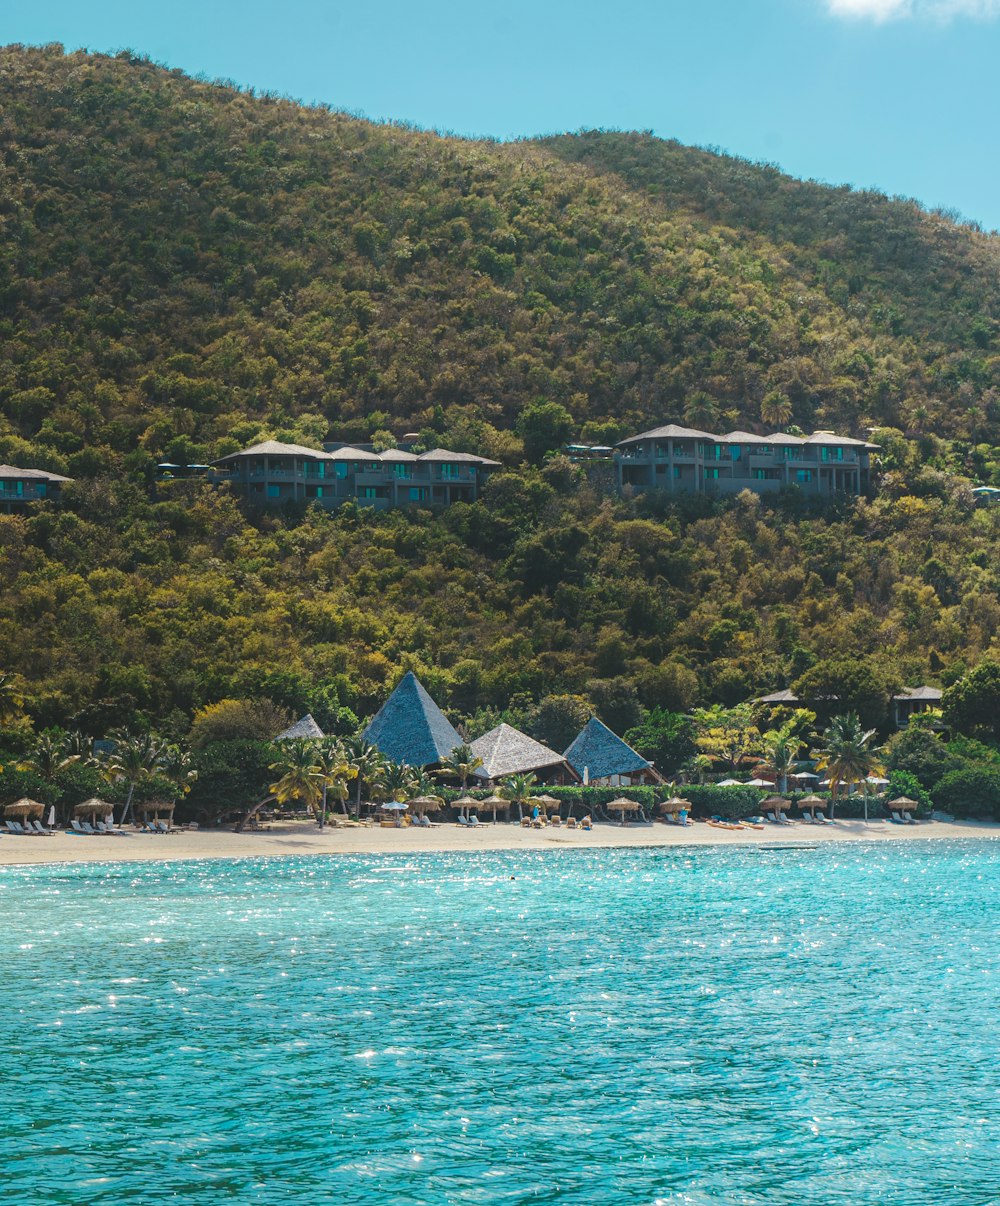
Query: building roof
x=929 y=694
x=397 y=454
x=32 y=475
x=411 y=728
x=275 y=448
x=601 y=753
x=670 y=431
x=303 y=729
x=347 y=453
x=459 y=458
x=778 y=697
x=507 y=751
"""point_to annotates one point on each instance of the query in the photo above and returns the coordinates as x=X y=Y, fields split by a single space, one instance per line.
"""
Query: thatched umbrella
x=624 y=805
x=464 y=803
x=812 y=802
x=902 y=804
x=25 y=808
x=151 y=810
x=494 y=801
x=92 y=808
x=775 y=803
x=674 y=805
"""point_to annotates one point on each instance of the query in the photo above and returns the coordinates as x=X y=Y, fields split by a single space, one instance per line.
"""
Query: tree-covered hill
x=186 y=268
x=183 y=259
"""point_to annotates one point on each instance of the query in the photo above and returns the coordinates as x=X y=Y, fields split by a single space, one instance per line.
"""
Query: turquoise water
x=658 y=1026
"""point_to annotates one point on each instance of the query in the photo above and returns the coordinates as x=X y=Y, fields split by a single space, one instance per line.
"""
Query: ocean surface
x=609 y=1026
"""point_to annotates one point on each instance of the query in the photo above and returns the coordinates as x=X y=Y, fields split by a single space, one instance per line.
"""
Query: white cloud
x=938 y=10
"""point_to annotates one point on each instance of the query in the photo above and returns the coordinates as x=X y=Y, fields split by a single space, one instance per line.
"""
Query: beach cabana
x=494 y=801
x=774 y=806
x=410 y=728
x=601 y=757
x=812 y=804
x=674 y=807
x=507 y=751
x=155 y=810
x=304 y=729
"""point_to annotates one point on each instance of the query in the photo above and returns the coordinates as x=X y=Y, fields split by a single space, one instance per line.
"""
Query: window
x=711 y=474
x=803 y=475
x=793 y=454
x=832 y=454
x=735 y=451
x=416 y=494
x=764 y=450
x=367 y=492
x=401 y=470
x=449 y=470
x=273 y=490
x=677 y=471
x=340 y=469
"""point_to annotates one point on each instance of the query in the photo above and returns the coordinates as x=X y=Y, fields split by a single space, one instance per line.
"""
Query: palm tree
x=365 y=760
x=134 y=760
x=776 y=410
x=175 y=765
x=460 y=764
x=48 y=757
x=781 y=755
x=300 y=777
x=399 y=781
x=701 y=410
x=846 y=753
x=332 y=766
x=517 y=789
x=11 y=701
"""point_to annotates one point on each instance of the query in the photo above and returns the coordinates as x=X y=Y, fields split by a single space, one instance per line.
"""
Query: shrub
x=971 y=792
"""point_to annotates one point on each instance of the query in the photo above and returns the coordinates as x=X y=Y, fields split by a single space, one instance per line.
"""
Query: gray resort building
x=272 y=473
x=18 y=487
x=684 y=460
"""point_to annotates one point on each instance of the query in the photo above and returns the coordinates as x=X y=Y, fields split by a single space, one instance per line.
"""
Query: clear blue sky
x=901 y=95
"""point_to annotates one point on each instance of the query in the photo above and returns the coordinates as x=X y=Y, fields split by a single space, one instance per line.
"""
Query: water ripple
x=576 y=1026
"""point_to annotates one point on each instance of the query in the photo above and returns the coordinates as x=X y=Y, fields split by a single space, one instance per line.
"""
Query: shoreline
x=291 y=838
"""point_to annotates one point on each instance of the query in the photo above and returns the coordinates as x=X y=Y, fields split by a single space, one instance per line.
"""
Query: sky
x=898 y=95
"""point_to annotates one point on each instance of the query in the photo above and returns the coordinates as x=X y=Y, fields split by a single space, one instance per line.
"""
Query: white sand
x=302 y=837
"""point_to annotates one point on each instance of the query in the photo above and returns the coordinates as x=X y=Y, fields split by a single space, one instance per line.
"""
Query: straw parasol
x=812 y=802
x=426 y=803
x=155 y=807
x=464 y=803
x=903 y=802
x=25 y=808
x=92 y=808
x=494 y=801
x=623 y=805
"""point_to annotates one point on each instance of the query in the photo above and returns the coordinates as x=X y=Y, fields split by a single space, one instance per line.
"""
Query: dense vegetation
x=185 y=268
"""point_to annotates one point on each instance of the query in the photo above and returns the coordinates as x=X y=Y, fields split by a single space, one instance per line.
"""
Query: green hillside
x=186 y=268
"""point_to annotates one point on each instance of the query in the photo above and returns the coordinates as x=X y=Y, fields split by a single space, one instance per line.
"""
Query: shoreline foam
x=290 y=838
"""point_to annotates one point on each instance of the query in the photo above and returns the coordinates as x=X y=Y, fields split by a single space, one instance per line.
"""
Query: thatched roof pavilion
x=156 y=808
x=507 y=751
x=411 y=728
x=426 y=804
x=24 y=808
x=598 y=756
x=623 y=805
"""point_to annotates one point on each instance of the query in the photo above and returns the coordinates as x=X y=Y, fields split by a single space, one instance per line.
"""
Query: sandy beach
x=303 y=838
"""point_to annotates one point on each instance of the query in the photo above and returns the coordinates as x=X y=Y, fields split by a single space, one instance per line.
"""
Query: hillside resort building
x=272 y=473
x=18 y=487
x=684 y=460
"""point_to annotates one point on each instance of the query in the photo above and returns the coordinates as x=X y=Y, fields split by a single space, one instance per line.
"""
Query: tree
x=728 y=735
x=544 y=427
x=460 y=764
x=846 y=752
x=237 y=720
x=399 y=781
x=11 y=701
x=177 y=767
x=665 y=738
x=365 y=761
x=558 y=719
x=134 y=760
x=299 y=776
x=701 y=410
x=48 y=757
x=972 y=705
x=518 y=789
x=974 y=791
x=334 y=772
x=781 y=756
x=776 y=409
x=845 y=684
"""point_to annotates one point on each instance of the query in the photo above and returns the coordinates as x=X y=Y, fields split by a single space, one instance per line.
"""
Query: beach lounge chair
x=571 y=822
x=556 y=820
x=39 y=828
x=161 y=827
x=463 y=821
x=473 y=821
x=76 y=827
x=525 y=822
x=88 y=828
x=586 y=823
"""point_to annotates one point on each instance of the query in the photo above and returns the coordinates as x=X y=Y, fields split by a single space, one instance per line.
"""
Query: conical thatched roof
x=811 y=800
x=602 y=753
x=302 y=730
x=675 y=802
x=411 y=728
x=774 y=801
x=507 y=751
x=903 y=802
x=155 y=807
x=426 y=803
